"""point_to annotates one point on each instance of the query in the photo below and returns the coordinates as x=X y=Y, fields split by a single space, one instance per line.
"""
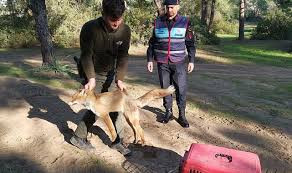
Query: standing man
x=172 y=34
x=104 y=44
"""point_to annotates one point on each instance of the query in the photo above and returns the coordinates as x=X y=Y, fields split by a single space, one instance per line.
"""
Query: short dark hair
x=113 y=8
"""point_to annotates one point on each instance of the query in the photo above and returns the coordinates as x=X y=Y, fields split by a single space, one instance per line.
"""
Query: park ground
x=239 y=97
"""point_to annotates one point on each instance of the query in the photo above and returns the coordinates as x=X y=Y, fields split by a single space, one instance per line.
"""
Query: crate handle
x=224 y=155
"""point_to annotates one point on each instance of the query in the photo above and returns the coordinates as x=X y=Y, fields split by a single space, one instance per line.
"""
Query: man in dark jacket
x=104 y=46
x=172 y=35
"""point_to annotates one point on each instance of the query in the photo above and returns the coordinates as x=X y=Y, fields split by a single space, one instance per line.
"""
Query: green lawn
x=25 y=72
x=267 y=52
x=248 y=28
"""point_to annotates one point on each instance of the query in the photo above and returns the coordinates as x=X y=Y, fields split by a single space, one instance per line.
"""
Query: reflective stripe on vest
x=171 y=52
x=172 y=40
x=174 y=33
x=170 y=44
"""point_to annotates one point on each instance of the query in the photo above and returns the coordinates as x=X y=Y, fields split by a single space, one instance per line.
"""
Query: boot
x=167 y=116
x=182 y=119
x=81 y=143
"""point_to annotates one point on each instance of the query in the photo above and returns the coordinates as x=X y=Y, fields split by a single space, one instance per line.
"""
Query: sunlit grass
x=258 y=55
x=8 y=70
x=3 y=49
x=248 y=29
x=267 y=52
x=22 y=72
x=227 y=36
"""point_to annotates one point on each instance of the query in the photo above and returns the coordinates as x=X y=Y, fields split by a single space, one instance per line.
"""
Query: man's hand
x=91 y=84
x=190 y=67
x=121 y=85
x=150 y=66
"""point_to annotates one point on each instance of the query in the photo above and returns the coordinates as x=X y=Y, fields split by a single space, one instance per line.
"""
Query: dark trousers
x=103 y=82
x=173 y=74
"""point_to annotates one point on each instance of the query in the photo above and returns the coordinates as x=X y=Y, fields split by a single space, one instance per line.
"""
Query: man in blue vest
x=172 y=36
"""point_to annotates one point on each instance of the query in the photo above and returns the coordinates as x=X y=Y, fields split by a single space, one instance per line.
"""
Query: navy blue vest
x=170 y=43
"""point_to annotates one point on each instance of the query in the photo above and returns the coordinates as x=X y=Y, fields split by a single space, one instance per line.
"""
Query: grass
x=26 y=73
x=3 y=49
x=59 y=75
x=257 y=53
x=248 y=29
x=260 y=52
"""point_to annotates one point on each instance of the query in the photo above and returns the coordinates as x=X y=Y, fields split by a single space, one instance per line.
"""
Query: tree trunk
x=204 y=11
x=160 y=7
x=212 y=14
x=241 y=20
x=38 y=8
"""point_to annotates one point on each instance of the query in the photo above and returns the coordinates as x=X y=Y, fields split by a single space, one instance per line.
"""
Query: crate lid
x=210 y=158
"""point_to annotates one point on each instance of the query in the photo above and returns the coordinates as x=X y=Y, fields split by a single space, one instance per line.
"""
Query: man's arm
x=86 y=46
x=123 y=54
x=150 y=51
x=191 y=48
x=190 y=43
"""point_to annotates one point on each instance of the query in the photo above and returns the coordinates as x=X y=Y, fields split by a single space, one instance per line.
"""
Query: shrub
x=277 y=25
x=65 y=21
x=16 y=32
x=139 y=18
x=205 y=37
x=225 y=27
x=202 y=35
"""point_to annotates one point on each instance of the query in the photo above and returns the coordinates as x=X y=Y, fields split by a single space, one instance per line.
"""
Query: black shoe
x=122 y=149
x=167 y=116
x=81 y=143
x=183 y=122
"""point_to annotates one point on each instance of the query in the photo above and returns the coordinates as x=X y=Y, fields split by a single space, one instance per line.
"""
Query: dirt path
x=36 y=122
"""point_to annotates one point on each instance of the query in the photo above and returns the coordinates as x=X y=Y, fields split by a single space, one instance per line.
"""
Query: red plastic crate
x=202 y=158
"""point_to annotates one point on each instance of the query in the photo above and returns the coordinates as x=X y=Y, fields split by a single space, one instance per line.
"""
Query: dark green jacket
x=102 y=50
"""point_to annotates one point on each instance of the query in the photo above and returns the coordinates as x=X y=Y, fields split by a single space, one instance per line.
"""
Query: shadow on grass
x=22 y=70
